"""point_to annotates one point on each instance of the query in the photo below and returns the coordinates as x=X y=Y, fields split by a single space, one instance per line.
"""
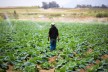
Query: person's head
x=52 y=24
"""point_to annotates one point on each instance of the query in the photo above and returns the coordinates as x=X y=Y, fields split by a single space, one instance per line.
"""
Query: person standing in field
x=53 y=36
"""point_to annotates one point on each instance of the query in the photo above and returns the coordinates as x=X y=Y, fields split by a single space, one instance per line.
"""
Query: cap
x=52 y=23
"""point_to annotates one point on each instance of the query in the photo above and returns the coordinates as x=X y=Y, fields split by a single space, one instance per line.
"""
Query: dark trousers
x=52 y=44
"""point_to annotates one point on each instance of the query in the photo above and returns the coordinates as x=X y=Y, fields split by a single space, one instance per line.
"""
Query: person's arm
x=58 y=35
x=48 y=37
x=58 y=38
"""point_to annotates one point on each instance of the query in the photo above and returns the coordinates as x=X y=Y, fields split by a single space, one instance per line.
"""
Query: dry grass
x=61 y=15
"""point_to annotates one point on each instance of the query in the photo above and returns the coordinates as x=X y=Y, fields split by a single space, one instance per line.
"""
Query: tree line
x=52 y=4
x=90 y=6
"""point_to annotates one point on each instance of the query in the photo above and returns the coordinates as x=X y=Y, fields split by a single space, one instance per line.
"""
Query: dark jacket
x=53 y=32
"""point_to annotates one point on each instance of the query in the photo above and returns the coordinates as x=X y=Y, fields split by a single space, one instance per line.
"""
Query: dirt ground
x=52 y=59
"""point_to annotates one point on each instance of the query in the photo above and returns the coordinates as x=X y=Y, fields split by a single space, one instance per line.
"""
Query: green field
x=24 y=45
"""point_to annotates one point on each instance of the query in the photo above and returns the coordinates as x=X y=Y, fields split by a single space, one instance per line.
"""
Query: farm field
x=83 y=47
x=61 y=14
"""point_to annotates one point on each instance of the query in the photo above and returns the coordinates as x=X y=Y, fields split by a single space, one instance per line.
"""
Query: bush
x=100 y=15
x=1 y=18
x=55 y=15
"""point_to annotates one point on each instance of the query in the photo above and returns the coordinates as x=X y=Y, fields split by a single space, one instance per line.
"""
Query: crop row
x=24 y=45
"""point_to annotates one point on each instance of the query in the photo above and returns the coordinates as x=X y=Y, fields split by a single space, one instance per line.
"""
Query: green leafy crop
x=24 y=45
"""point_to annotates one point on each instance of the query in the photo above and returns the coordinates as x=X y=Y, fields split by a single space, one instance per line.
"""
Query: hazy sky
x=62 y=3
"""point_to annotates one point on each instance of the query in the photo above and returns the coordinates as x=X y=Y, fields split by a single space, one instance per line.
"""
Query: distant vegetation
x=36 y=13
x=90 y=6
x=52 y=4
x=100 y=15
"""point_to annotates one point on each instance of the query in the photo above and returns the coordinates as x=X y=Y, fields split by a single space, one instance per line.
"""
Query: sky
x=62 y=3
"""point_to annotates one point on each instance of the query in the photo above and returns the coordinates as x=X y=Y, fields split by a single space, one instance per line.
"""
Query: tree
x=45 y=5
x=52 y=4
x=103 y=6
x=90 y=6
x=78 y=6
